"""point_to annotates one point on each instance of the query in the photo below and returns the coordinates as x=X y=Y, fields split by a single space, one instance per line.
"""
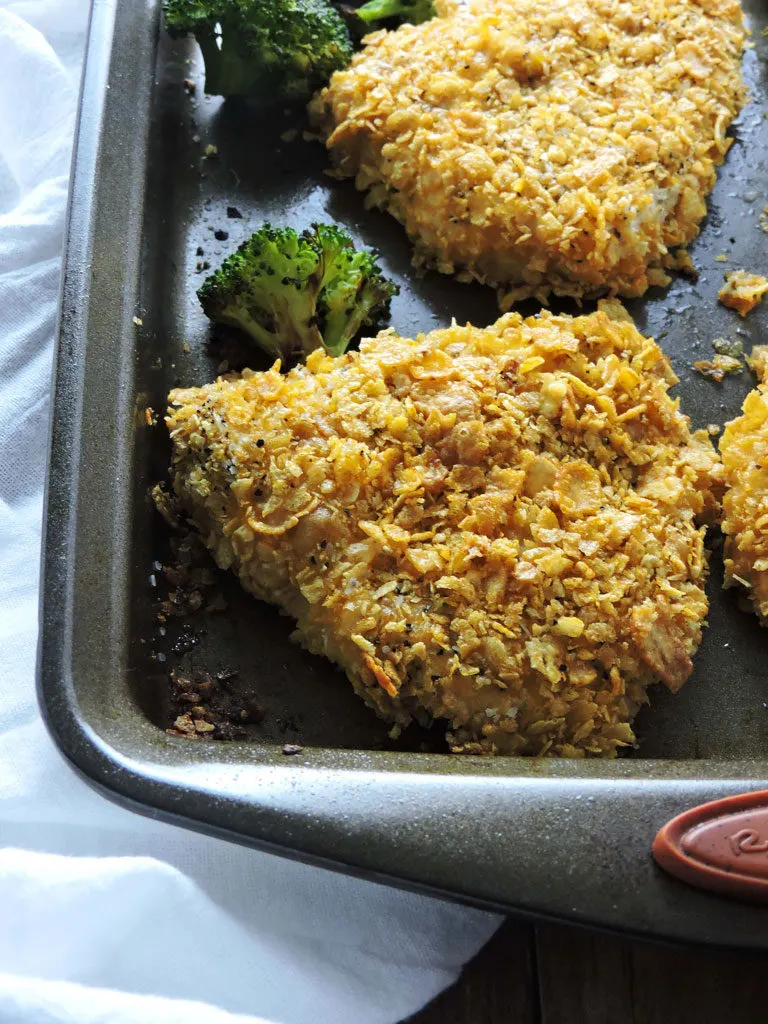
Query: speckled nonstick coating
x=567 y=840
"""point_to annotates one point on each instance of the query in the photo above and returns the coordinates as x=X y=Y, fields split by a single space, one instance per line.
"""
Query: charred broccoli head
x=411 y=11
x=282 y=49
x=293 y=293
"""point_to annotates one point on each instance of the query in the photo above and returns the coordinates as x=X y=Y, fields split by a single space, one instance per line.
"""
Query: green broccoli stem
x=224 y=75
x=287 y=348
x=380 y=10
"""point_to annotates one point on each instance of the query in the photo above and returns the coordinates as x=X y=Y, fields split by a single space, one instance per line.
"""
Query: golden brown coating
x=563 y=147
x=744 y=449
x=494 y=527
x=743 y=291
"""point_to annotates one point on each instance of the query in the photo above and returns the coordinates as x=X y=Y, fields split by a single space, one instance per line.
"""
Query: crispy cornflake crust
x=562 y=147
x=716 y=369
x=743 y=291
x=744 y=448
x=496 y=527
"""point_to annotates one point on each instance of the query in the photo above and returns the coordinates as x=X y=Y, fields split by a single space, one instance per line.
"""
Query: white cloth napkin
x=106 y=916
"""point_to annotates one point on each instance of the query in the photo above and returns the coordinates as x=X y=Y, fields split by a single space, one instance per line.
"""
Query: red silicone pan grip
x=721 y=846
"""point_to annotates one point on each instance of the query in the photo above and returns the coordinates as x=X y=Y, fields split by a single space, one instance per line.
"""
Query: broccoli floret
x=278 y=49
x=354 y=293
x=412 y=11
x=294 y=293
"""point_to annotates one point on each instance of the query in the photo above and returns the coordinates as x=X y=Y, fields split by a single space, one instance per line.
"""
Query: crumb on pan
x=717 y=368
x=743 y=291
x=744 y=449
x=615 y=309
x=728 y=347
x=500 y=528
x=758 y=361
x=563 y=147
x=206 y=707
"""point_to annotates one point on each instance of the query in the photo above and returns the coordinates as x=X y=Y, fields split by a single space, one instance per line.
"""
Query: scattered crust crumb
x=758 y=361
x=683 y=264
x=716 y=369
x=742 y=291
x=727 y=360
x=616 y=310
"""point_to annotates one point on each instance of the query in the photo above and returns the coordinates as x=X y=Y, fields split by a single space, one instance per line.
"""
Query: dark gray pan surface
x=556 y=838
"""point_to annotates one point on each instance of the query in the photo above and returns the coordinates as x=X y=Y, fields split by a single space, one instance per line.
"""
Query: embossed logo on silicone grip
x=721 y=846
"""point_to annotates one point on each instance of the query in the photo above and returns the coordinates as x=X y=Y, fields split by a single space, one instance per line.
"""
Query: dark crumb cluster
x=202 y=703
x=192 y=583
x=208 y=706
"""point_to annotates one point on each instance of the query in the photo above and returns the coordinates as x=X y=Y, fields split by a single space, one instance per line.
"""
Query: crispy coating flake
x=744 y=448
x=717 y=368
x=494 y=527
x=561 y=147
x=743 y=291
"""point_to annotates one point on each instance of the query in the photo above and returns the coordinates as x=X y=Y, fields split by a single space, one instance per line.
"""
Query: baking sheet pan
x=151 y=203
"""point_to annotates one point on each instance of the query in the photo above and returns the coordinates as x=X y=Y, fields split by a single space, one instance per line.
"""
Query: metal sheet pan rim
x=562 y=841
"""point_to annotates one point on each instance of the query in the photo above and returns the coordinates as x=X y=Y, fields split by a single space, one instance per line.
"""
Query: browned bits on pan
x=211 y=707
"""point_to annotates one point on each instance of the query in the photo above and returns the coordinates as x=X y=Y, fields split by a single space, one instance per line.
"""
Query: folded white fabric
x=107 y=916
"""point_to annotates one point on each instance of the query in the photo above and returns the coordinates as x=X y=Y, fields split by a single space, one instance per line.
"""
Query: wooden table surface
x=547 y=974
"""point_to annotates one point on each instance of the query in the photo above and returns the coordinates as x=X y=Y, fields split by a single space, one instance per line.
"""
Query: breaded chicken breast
x=499 y=528
x=563 y=147
x=744 y=449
